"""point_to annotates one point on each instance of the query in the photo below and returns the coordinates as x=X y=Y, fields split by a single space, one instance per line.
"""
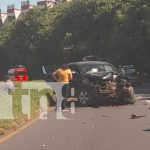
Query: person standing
x=63 y=75
x=8 y=85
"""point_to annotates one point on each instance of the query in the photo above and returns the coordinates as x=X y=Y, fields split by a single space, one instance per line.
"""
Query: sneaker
x=65 y=110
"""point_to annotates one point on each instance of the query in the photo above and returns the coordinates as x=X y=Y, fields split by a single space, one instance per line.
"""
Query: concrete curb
x=8 y=136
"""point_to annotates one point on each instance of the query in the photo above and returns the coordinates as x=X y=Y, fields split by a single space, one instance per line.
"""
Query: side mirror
x=75 y=74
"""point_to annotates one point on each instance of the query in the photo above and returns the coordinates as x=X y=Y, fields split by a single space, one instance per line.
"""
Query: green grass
x=7 y=126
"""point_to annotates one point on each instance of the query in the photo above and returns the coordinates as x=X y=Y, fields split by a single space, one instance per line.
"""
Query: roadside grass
x=20 y=119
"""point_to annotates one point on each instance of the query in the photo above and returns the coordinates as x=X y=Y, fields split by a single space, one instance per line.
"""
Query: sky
x=4 y=3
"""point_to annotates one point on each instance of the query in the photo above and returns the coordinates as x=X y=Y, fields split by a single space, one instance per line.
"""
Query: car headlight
x=107 y=76
x=115 y=77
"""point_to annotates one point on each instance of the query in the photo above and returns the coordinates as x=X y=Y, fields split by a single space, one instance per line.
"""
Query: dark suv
x=96 y=81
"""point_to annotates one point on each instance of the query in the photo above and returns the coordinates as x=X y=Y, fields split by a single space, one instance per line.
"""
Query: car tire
x=84 y=97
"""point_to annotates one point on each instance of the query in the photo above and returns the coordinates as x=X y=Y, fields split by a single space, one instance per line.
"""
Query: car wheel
x=84 y=97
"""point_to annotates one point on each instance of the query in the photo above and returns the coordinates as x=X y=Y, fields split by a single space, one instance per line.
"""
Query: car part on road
x=133 y=116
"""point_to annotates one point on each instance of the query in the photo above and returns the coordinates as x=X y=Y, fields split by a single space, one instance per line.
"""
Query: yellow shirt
x=63 y=75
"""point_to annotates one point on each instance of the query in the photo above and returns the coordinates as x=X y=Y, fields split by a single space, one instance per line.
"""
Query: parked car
x=96 y=81
x=132 y=74
x=18 y=73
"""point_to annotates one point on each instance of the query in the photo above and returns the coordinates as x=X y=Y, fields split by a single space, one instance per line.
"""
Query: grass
x=7 y=126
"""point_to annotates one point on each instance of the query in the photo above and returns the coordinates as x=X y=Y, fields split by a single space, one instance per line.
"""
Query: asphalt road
x=104 y=128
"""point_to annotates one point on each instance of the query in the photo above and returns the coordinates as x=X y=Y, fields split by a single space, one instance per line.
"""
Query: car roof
x=127 y=67
x=88 y=62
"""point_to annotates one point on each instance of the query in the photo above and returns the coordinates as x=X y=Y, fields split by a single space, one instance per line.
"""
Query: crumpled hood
x=97 y=74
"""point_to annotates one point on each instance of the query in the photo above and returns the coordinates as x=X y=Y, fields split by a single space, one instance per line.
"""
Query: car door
x=74 y=68
x=76 y=74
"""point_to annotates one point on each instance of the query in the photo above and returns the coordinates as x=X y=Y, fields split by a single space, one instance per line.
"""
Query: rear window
x=20 y=73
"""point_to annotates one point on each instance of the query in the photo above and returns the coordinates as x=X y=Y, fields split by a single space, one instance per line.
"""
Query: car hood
x=97 y=74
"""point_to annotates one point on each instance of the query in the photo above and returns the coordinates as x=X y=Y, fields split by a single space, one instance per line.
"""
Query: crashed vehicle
x=95 y=82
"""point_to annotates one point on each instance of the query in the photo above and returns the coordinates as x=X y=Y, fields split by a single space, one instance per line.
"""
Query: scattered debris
x=146 y=130
x=133 y=116
x=43 y=145
x=84 y=122
x=92 y=127
x=104 y=116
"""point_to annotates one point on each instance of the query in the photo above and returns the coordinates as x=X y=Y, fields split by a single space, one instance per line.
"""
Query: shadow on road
x=104 y=104
x=142 y=92
x=146 y=130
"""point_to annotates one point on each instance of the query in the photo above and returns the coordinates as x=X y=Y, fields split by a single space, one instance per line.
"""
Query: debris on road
x=104 y=116
x=43 y=145
x=84 y=122
x=53 y=137
x=133 y=116
x=92 y=127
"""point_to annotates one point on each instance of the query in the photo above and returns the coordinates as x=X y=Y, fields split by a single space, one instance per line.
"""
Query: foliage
x=115 y=30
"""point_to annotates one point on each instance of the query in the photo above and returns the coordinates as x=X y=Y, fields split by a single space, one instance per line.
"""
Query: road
x=104 y=128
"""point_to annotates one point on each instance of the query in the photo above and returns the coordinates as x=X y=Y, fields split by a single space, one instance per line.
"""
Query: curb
x=7 y=137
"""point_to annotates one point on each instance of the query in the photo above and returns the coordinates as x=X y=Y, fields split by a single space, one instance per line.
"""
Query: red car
x=18 y=73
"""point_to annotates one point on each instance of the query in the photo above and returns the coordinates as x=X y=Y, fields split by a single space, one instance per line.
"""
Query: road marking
x=147 y=101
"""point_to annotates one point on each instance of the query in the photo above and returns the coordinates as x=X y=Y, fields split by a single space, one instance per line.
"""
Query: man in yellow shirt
x=63 y=75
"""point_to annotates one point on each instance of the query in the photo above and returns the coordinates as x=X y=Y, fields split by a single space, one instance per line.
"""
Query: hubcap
x=83 y=97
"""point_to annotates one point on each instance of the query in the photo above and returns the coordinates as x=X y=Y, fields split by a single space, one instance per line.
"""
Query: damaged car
x=95 y=82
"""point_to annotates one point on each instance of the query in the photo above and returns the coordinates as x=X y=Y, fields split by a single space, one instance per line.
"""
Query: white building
x=46 y=3
x=12 y=12
x=25 y=7
x=3 y=17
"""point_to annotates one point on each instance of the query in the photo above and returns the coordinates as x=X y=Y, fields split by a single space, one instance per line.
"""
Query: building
x=12 y=12
x=3 y=17
x=46 y=3
x=25 y=7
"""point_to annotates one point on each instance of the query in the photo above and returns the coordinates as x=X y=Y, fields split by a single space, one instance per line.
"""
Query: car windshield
x=92 y=68
x=130 y=71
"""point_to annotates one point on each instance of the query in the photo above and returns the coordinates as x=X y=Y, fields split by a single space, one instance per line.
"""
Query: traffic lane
x=143 y=89
x=88 y=129
x=142 y=92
